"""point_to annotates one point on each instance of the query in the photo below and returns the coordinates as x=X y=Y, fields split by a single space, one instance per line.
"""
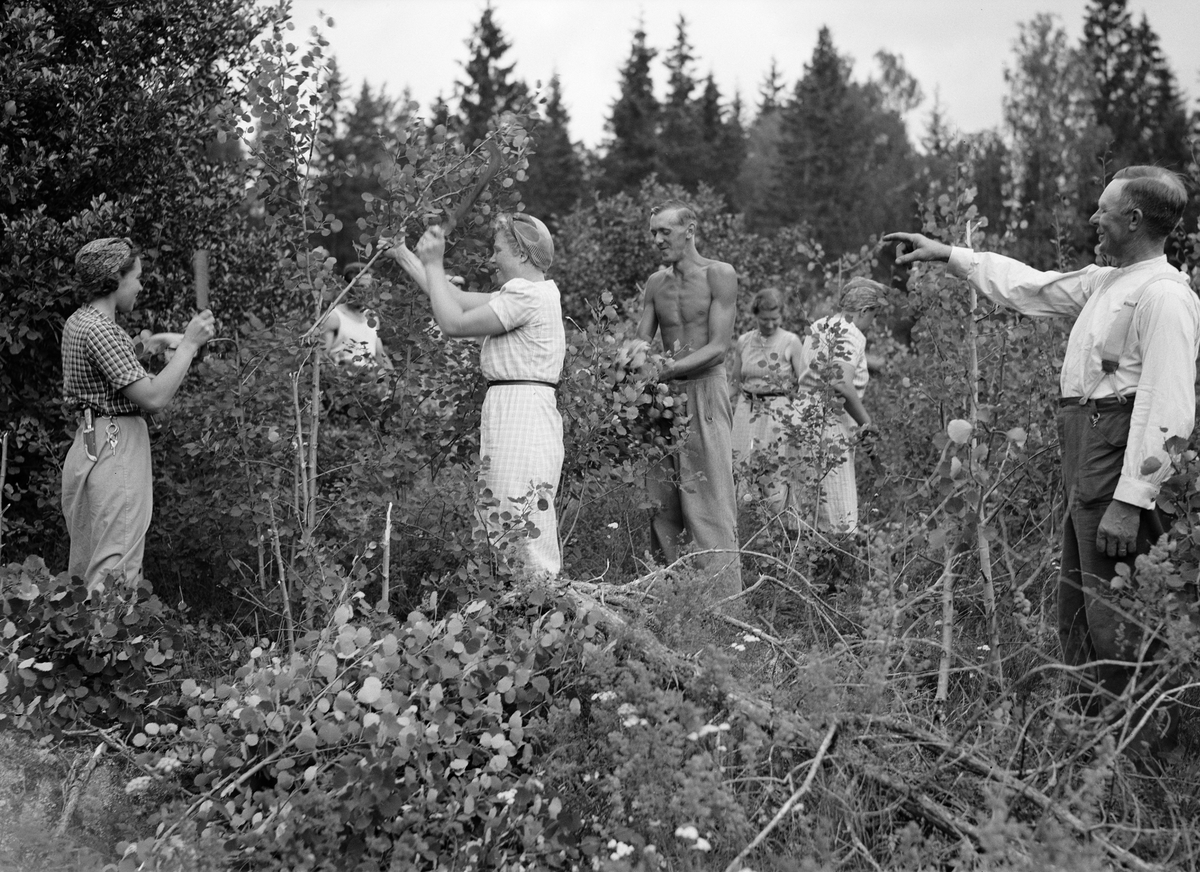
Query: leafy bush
x=77 y=657
x=382 y=742
x=108 y=118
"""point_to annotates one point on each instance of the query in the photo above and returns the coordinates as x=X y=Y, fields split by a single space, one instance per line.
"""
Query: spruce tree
x=681 y=152
x=771 y=89
x=632 y=149
x=490 y=89
x=845 y=166
x=1135 y=98
x=1137 y=104
x=555 y=174
x=722 y=141
x=815 y=138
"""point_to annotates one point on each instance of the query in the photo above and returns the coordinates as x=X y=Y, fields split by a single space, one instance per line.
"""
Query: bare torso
x=683 y=303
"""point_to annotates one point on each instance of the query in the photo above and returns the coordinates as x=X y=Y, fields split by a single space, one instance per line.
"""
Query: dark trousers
x=1091 y=625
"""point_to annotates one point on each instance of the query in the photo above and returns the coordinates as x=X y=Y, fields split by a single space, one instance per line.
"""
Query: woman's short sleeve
x=516 y=304
x=111 y=349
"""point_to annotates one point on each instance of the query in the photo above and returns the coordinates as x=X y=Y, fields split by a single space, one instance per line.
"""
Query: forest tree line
x=840 y=158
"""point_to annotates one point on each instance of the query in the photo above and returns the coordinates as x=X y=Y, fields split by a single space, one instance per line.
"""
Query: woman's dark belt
x=765 y=395
x=522 y=381
x=1099 y=405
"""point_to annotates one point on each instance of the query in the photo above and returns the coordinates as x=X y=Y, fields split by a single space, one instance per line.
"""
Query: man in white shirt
x=1115 y=418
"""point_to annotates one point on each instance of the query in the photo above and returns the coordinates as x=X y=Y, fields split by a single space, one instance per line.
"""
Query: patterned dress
x=831 y=339
x=521 y=433
x=767 y=381
x=764 y=404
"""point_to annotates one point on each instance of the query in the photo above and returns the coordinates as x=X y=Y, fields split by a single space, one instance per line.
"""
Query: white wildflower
x=619 y=849
x=168 y=764
x=140 y=784
x=689 y=832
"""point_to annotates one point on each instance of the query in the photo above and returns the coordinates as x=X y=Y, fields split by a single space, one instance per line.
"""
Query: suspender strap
x=1118 y=335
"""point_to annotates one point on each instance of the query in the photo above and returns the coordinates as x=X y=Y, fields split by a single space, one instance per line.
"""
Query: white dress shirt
x=1158 y=362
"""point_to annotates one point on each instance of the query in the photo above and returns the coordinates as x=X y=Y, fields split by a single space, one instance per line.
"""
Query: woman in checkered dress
x=524 y=344
x=107 y=492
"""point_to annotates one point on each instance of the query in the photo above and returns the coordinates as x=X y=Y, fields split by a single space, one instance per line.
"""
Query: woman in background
x=764 y=374
x=351 y=332
x=836 y=346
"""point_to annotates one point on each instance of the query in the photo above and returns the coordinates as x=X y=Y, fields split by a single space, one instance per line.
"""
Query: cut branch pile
x=927 y=780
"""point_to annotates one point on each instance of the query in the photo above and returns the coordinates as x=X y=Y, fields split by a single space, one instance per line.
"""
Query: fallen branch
x=984 y=769
x=735 y=863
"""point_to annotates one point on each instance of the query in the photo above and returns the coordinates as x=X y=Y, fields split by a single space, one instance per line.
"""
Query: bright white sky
x=957 y=47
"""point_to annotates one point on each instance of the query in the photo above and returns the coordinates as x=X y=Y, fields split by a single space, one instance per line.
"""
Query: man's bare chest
x=681 y=304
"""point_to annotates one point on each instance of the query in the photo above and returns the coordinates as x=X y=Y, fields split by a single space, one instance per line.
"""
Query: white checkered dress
x=521 y=429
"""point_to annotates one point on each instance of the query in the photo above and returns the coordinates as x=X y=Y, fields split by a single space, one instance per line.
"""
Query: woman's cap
x=102 y=259
x=862 y=293
x=534 y=238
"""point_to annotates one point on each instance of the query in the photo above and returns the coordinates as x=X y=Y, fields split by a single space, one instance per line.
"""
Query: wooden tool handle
x=200 y=277
x=200 y=280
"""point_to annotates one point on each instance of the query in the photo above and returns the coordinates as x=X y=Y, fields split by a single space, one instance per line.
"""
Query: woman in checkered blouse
x=524 y=344
x=107 y=492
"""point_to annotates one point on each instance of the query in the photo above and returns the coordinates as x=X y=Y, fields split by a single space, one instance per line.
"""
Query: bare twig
x=314 y=423
x=3 y=476
x=735 y=863
x=385 y=591
x=77 y=788
x=947 y=586
x=283 y=586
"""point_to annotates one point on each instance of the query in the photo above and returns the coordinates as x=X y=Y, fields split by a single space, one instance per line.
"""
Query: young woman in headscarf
x=837 y=345
x=524 y=344
x=107 y=490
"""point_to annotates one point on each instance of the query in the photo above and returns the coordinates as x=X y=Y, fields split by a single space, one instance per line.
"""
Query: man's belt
x=1099 y=405
x=522 y=381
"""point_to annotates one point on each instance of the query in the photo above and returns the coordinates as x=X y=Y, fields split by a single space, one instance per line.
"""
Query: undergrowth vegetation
x=333 y=669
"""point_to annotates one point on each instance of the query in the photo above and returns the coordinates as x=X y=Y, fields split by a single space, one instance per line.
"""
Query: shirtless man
x=692 y=300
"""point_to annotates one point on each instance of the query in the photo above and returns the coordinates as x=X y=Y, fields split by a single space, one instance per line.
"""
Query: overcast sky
x=958 y=48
